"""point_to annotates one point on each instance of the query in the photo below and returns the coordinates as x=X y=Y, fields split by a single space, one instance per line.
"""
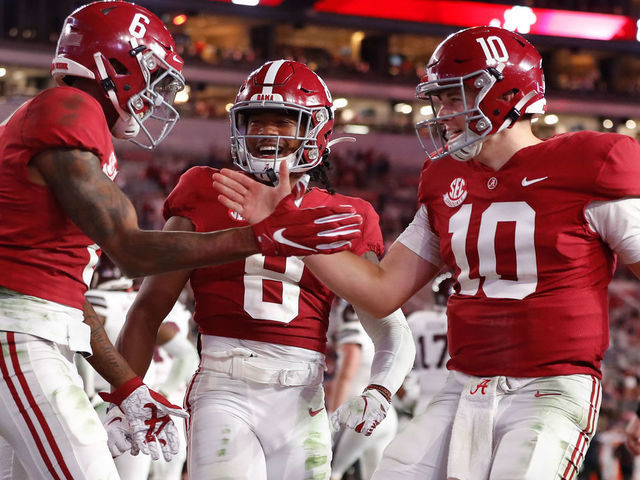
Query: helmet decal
x=267 y=87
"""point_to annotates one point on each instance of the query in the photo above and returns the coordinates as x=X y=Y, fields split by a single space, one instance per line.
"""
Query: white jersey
x=348 y=329
x=429 y=329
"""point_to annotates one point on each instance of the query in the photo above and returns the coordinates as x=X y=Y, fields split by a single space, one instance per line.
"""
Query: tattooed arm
x=102 y=211
x=105 y=359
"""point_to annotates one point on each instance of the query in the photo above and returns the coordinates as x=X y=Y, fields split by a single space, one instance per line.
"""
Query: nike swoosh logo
x=526 y=183
x=279 y=237
x=538 y=394
x=313 y=413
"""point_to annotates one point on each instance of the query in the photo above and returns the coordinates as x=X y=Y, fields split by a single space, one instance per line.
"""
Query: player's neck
x=499 y=148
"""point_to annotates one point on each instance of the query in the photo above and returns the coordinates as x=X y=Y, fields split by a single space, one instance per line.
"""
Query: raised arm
x=100 y=209
x=379 y=289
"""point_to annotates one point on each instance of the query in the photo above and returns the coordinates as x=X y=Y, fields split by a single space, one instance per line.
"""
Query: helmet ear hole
x=118 y=67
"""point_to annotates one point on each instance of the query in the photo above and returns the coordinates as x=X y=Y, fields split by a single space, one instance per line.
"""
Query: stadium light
x=179 y=19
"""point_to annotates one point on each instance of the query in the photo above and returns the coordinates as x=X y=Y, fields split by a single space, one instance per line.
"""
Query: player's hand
x=293 y=231
x=152 y=430
x=253 y=200
x=118 y=432
x=632 y=433
x=361 y=413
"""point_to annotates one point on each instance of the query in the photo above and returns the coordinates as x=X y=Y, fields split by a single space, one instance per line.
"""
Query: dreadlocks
x=320 y=174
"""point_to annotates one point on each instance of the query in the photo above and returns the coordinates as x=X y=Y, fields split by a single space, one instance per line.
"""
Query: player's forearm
x=137 y=339
x=105 y=358
x=394 y=349
x=142 y=253
x=355 y=279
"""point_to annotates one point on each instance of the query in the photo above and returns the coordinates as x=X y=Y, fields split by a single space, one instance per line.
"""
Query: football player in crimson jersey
x=532 y=230
x=256 y=403
x=118 y=73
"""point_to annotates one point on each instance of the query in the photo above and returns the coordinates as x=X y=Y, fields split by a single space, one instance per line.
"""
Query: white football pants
x=46 y=416
x=242 y=429
x=541 y=429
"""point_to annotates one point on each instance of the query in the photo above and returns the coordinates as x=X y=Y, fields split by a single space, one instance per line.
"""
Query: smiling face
x=273 y=131
x=448 y=105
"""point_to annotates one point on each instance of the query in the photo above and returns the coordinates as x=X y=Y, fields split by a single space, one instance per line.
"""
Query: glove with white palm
x=118 y=432
x=364 y=412
x=151 y=429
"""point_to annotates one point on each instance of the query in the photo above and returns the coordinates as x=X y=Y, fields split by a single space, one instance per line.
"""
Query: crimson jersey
x=532 y=297
x=42 y=252
x=269 y=299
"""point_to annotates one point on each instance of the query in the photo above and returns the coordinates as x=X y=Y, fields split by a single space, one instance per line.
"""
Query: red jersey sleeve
x=193 y=190
x=65 y=117
x=619 y=173
x=371 y=239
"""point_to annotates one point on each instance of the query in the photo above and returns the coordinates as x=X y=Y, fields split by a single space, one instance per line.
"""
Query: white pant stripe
x=21 y=394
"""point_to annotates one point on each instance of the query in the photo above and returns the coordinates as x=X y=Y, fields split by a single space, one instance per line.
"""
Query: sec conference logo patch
x=456 y=194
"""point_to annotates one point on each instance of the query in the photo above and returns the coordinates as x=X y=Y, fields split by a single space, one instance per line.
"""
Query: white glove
x=151 y=429
x=117 y=427
x=361 y=413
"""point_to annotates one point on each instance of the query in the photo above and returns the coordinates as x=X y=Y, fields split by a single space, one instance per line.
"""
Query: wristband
x=122 y=392
x=383 y=391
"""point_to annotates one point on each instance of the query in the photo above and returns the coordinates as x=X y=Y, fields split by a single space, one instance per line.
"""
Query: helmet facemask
x=152 y=108
x=477 y=126
x=129 y=52
x=265 y=166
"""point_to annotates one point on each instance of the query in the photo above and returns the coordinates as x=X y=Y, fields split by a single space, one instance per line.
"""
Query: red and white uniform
x=533 y=275
x=42 y=252
x=528 y=326
x=267 y=299
x=46 y=263
x=263 y=322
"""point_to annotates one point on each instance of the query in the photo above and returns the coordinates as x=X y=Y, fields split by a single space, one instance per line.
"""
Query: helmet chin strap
x=271 y=173
x=468 y=152
x=125 y=126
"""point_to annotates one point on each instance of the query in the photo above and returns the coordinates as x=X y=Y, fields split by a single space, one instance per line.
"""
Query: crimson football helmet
x=130 y=53
x=481 y=65
x=291 y=88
